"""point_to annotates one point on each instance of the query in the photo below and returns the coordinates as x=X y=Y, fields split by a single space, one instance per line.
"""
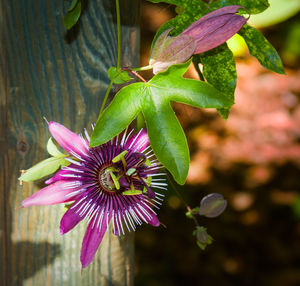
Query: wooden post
x=46 y=71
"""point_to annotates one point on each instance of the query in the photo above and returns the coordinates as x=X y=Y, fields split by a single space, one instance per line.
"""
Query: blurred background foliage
x=252 y=159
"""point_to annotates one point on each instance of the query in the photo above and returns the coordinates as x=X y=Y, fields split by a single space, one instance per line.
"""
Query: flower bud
x=169 y=51
x=212 y=205
x=215 y=28
x=205 y=34
x=203 y=238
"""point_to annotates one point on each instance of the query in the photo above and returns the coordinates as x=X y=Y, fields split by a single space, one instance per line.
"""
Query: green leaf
x=73 y=4
x=192 y=11
x=73 y=14
x=43 y=168
x=119 y=114
x=252 y=6
x=52 y=149
x=154 y=99
x=220 y=71
x=118 y=76
x=260 y=48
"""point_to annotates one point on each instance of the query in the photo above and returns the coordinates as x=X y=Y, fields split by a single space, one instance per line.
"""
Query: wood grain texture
x=46 y=71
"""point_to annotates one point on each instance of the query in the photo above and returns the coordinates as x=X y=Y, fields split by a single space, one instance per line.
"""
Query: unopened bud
x=212 y=205
x=203 y=238
x=208 y=32
x=215 y=28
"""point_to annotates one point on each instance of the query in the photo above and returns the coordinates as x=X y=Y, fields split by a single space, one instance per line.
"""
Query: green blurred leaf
x=43 y=168
x=291 y=51
x=52 y=149
x=153 y=99
x=118 y=76
x=260 y=48
x=237 y=45
x=296 y=207
x=278 y=11
x=72 y=14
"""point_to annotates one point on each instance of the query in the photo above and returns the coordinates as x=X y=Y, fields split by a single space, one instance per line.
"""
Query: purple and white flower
x=111 y=183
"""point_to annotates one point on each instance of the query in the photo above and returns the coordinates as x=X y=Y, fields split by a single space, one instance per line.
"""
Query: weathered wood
x=45 y=71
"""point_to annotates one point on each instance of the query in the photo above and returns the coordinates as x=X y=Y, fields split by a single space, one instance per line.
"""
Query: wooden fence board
x=46 y=71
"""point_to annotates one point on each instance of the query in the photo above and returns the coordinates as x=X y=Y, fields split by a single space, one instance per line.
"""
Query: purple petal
x=92 y=240
x=215 y=28
x=59 y=175
x=141 y=214
x=51 y=195
x=154 y=220
x=70 y=219
x=139 y=142
x=68 y=140
x=232 y=9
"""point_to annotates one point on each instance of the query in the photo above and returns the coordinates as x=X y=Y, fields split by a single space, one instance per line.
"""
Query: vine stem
x=105 y=98
x=119 y=33
x=145 y=68
x=182 y=199
x=135 y=73
x=118 y=58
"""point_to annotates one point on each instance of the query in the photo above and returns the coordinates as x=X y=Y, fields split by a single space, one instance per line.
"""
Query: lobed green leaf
x=154 y=99
x=119 y=114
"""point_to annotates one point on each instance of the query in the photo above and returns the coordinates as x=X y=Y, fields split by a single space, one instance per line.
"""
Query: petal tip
x=61 y=231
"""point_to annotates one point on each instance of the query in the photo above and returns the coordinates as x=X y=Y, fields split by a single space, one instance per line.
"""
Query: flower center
x=105 y=179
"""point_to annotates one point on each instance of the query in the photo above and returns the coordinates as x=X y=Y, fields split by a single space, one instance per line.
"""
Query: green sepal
x=67 y=206
x=203 y=238
x=52 y=149
x=44 y=168
x=194 y=211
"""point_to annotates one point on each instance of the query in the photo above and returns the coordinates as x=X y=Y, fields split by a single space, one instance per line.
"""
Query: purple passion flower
x=109 y=183
x=208 y=32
